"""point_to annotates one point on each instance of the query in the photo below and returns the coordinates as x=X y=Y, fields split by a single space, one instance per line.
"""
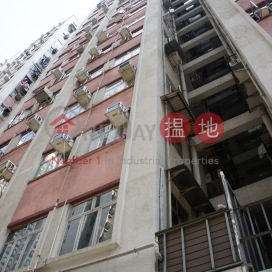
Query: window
x=3 y=148
x=115 y=88
x=137 y=32
x=127 y=56
x=111 y=25
x=20 y=246
x=103 y=136
x=135 y=11
x=49 y=162
x=26 y=137
x=136 y=21
x=96 y=72
x=90 y=222
x=106 y=49
x=72 y=111
x=19 y=118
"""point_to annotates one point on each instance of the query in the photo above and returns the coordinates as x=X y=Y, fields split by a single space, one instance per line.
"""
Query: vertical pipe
x=183 y=250
x=164 y=254
x=210 y=243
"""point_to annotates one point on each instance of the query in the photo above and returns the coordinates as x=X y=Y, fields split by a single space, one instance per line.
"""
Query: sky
x=24 y=21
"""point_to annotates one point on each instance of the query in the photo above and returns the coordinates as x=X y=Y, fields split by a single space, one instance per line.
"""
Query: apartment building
x=90 y=179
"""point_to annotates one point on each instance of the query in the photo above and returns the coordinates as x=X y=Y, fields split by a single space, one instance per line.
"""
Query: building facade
x=104 y=166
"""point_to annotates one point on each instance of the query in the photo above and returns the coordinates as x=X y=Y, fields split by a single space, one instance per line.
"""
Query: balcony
x=204 y=244
x=233 y=236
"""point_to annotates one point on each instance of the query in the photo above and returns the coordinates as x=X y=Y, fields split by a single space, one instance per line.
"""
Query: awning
x=179 y=104
x=190 y=189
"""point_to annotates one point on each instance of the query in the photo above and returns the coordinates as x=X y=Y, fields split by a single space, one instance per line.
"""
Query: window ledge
x=76 y=257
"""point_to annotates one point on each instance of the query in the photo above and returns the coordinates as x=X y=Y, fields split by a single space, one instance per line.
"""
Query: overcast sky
x=24 y=21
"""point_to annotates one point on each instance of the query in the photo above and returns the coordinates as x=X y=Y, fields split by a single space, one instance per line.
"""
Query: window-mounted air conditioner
x=43 y=95
x=66 y=36
x=102 y=36
x=175 y=58
x=118 y=16
x=80 y=49
x=54 y=51
x=88 y=35
x=58 y=73
x=27 y=52
x=99 y=5
x=125 y=33
x=127 y=71
x=105 y=7
x=82 y=95
x=117 y=114
x=81 y=75
x=87 y=28
x=6 y=78
x=62 y=143
x=34 y=122
x=7 y=169
x=264 y=12
x=95 y=52
x=94 y=20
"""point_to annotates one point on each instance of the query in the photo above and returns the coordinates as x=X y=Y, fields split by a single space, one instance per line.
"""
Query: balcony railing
x=204 y=244
x=218 y=240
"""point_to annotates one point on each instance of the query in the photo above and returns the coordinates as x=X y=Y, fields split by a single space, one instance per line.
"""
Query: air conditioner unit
x=264 y=12
x=81 y=75
x=88 y=35
x=34 y=122
x=8 y=72
x=99 y=5
x=58 y=73
x=62 y=143
x=82 y=95
x=66 y=36
x=80 y=49
x=95 y=52
x=54 y=51
x=87 y=28
x=6 y=78
x=208 y=178
x=125 y=33
x=27 y=52
x=43 y=95
x=175 y=58
x=7 y=169
x=117 y=114
x=118 y=16
x=102 y=36
x=105 y=7
x=94 y=20
x=127 y=71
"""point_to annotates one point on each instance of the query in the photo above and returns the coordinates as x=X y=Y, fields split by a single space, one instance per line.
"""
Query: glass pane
x=70 y=236
x=88 y=205
x=77 y=209
x=15 y=255
x=4 y=256
x=19 y=233
x=29 y=251
x=105 y=198
x=95 y=143
x=106 y=224
x=87 y=230
x=35 y=225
